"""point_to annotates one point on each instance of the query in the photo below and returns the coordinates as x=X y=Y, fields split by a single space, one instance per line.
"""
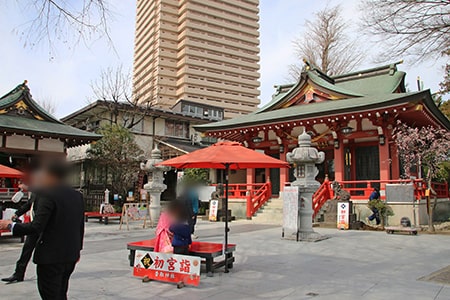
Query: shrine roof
x=317 y=94
x=182 y=145
x=38 y=127
x=19 y=113
x=380 y=80
x=383 y=83
x=323 y=109
x=22 y=92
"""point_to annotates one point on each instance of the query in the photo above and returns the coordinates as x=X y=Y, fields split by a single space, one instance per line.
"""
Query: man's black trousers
x=53 y=280
x=25 y=256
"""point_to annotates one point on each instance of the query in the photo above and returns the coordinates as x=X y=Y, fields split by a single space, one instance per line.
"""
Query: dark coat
x=59 y=221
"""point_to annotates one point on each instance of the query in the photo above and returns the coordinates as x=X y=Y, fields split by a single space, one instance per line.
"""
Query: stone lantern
x=304 y=158
x=155 y=185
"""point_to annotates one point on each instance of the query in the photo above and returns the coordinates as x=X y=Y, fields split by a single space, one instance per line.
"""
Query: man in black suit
x=59 y=222
x=28 y=246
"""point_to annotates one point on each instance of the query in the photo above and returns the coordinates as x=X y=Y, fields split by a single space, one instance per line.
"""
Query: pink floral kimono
x=163 y=235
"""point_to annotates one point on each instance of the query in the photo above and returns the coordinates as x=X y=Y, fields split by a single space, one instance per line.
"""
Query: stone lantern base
x=306 y=237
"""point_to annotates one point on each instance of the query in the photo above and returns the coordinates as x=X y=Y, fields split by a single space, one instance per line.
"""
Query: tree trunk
x=430 y=207
x=430 y=216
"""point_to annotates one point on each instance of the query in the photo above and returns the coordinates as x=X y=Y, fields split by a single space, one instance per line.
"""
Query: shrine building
x=27 y=130
x=350 y=117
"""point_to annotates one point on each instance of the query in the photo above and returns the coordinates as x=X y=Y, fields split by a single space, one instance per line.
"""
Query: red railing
x=257 y=198
x=361 y=190
x=441 y=189
x=256 y=195
x=322 y=195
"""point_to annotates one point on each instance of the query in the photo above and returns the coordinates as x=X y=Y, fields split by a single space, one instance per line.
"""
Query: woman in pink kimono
x=163 y=235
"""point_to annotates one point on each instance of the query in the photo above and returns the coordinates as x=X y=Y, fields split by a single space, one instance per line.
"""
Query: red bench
x=207 y=251
x=7 y=233
x=102 y=217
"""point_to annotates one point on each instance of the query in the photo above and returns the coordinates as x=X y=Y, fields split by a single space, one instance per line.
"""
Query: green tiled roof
x=325 y=108
x=22 y=92
x=376 y=81
x=315 y=79
x=339 y=89
x=26 y=125
x=380 y=84
x=360 y=90
x=37 y=121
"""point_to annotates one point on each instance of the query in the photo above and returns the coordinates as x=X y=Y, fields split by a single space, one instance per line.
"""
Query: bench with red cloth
x=7 y=233
x=102 y=217
x=206 y=250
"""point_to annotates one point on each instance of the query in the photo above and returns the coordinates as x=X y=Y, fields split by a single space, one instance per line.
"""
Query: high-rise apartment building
x=204 y=51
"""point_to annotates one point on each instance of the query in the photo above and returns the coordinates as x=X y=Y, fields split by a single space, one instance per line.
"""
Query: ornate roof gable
x=315 y=86
x=20 y=103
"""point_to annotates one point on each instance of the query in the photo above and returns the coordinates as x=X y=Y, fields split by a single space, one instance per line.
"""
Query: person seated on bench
x=180 y=228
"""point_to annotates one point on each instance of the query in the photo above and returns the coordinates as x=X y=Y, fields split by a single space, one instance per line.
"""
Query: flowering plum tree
x=426 y=147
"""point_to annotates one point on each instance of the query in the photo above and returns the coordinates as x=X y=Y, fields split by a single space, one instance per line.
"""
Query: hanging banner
x=167 y=267
x=343 y=215
x=213 y=207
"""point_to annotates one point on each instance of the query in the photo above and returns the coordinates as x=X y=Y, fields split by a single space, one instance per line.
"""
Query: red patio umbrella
x=8 y=172
x=226 y=156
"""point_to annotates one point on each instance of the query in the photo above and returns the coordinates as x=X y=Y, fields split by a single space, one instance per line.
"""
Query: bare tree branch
x=48 y=105
x=326 y=44
x=418 y=29
x=66 y=22
x=113 y=87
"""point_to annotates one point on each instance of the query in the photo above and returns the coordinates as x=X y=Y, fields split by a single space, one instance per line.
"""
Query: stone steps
x=271 y=213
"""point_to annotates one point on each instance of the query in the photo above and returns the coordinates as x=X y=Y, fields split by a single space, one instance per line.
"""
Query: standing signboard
x=167 y=267
x=343 y=215
x=213 y=207
x=135 y=212
x=290 y=210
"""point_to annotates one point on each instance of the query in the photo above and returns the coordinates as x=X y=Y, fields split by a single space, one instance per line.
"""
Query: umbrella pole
x=227 y=167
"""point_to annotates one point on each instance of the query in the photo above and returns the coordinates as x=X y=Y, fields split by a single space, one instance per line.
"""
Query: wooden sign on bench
x=135 y=212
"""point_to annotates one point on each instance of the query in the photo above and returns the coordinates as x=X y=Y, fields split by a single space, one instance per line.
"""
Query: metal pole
x=227 y=167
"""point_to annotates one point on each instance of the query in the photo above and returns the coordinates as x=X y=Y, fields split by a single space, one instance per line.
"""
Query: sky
x=64 y=76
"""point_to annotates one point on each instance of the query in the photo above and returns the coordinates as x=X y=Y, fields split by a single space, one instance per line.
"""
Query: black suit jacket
x=59 y=221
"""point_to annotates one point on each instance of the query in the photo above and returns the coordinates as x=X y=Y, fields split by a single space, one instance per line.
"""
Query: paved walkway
x=349 y=265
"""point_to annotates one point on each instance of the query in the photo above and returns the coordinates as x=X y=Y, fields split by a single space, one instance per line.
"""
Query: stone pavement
x=349 y=265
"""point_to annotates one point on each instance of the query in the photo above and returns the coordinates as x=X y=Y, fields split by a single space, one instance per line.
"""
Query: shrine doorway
x=367 y=163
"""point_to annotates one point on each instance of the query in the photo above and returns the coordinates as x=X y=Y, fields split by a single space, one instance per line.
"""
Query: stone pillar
x=305 y=158
x=155 y=186
x=107 y=196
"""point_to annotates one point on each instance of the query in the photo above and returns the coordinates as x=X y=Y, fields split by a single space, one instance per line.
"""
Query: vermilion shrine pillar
x=339 y=163
x=395 y=163
x=284 y=172
x=250 y=176
x=384 y=161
